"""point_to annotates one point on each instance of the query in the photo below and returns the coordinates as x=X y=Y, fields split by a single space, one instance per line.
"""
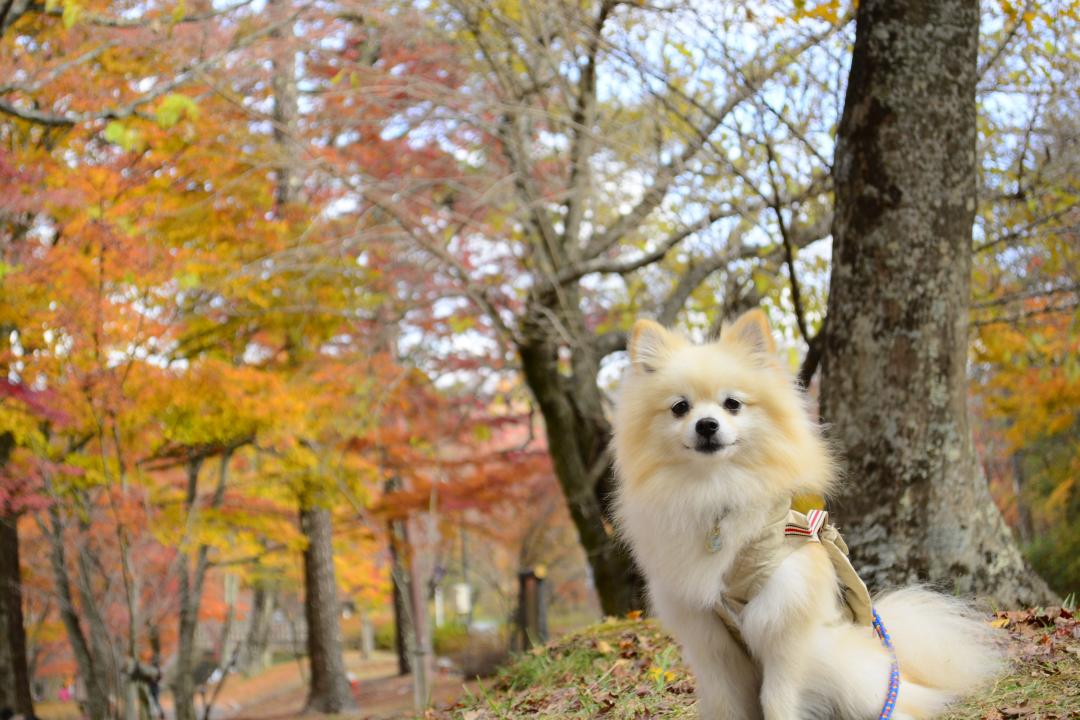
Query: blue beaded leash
x=894 y=670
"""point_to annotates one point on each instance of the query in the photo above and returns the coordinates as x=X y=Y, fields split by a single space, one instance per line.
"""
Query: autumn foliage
x=263 y=257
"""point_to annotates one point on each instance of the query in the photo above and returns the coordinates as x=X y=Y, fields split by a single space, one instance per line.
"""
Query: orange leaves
x=1036 y=383
x=218 y=403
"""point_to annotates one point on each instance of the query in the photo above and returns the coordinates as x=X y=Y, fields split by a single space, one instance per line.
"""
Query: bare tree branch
x=789 y=249
x=10 y=11
x=57 y=71
x=622 y=266
x=514 y=145
x=1018 y=22
x=582 y=120
x=1025 y=295
x=812 y=359
x=695 y=275
x=1021 y=231
x=428 y=244
x=1028 y=314
x=669 y=172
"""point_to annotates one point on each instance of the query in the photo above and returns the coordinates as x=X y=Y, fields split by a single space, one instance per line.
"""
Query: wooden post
x=532 y=607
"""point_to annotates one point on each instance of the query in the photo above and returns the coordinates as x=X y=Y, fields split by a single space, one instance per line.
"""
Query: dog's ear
x=751 y=330
x=649 y=346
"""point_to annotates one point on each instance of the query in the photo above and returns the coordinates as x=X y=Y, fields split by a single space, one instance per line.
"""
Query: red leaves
x=42 y=403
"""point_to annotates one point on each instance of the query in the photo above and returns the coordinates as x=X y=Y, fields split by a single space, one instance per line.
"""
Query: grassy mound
x=631 y=669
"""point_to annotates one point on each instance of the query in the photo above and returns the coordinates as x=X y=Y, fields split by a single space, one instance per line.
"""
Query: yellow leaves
x=461 y=323
x=1059 y=498
x=682 y=50
x=72 y=13
x=179 y=11
x=829 y=11
x=23 y=425
x=215 y=402
x=1026 y=14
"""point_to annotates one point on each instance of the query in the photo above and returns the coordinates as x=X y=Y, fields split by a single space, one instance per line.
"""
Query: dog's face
x=700 y=408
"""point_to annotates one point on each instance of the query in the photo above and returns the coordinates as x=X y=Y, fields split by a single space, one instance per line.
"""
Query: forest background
x=316 y=305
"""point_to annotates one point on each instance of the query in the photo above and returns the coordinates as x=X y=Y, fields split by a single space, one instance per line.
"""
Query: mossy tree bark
x=915 y=506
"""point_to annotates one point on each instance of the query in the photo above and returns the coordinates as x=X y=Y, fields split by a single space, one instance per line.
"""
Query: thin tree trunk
x=915 y=506
x=400 y=586
x=91 y=667
x=1024 y=523
x=577 y=435
x=329 y=690
x=422 y=656
x=14 y=675
x=190 y=591
x=101 y=646
x=190 y=586
x=257 y=640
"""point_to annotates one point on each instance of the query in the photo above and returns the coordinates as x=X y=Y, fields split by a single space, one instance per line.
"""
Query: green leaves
x=127 y=137
x=174 y=108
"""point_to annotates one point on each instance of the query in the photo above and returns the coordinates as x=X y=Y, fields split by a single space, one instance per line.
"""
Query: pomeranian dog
x=711 y=444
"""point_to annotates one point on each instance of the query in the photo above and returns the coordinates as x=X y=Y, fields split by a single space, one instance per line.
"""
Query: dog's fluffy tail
x=944 y=649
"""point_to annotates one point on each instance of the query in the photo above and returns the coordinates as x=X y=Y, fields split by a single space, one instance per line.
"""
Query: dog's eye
x=680 y=408
x=732 y=405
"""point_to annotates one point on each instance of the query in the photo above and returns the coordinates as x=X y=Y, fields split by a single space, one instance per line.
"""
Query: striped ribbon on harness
x=815 y=519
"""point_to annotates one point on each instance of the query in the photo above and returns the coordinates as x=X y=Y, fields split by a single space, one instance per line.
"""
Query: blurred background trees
x=303 y=301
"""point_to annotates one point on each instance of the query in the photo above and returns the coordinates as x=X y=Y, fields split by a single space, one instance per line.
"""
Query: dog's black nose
x=707 y=427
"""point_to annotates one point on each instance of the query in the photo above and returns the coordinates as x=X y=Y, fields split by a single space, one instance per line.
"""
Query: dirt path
x=386 y=697
x=380 y=692
x=279 y=693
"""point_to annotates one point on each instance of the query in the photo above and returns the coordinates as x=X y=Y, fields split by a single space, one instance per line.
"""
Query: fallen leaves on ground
x=631 y=669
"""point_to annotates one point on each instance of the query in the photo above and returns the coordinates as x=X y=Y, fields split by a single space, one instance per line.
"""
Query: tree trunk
x=421 y=655
x=577 y=435
x=106 y=666
x=400 y=585
x=915 y=506
x=91 y=666
x=329 y=691
x=1024 y=524
x=14 y=676
x=190 y=591
x=257 y=639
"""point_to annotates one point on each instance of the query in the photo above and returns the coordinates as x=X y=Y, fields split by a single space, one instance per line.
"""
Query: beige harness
x=788 y=531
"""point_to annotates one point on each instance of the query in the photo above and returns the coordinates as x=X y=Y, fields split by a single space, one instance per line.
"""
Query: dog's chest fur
x=686 y=535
